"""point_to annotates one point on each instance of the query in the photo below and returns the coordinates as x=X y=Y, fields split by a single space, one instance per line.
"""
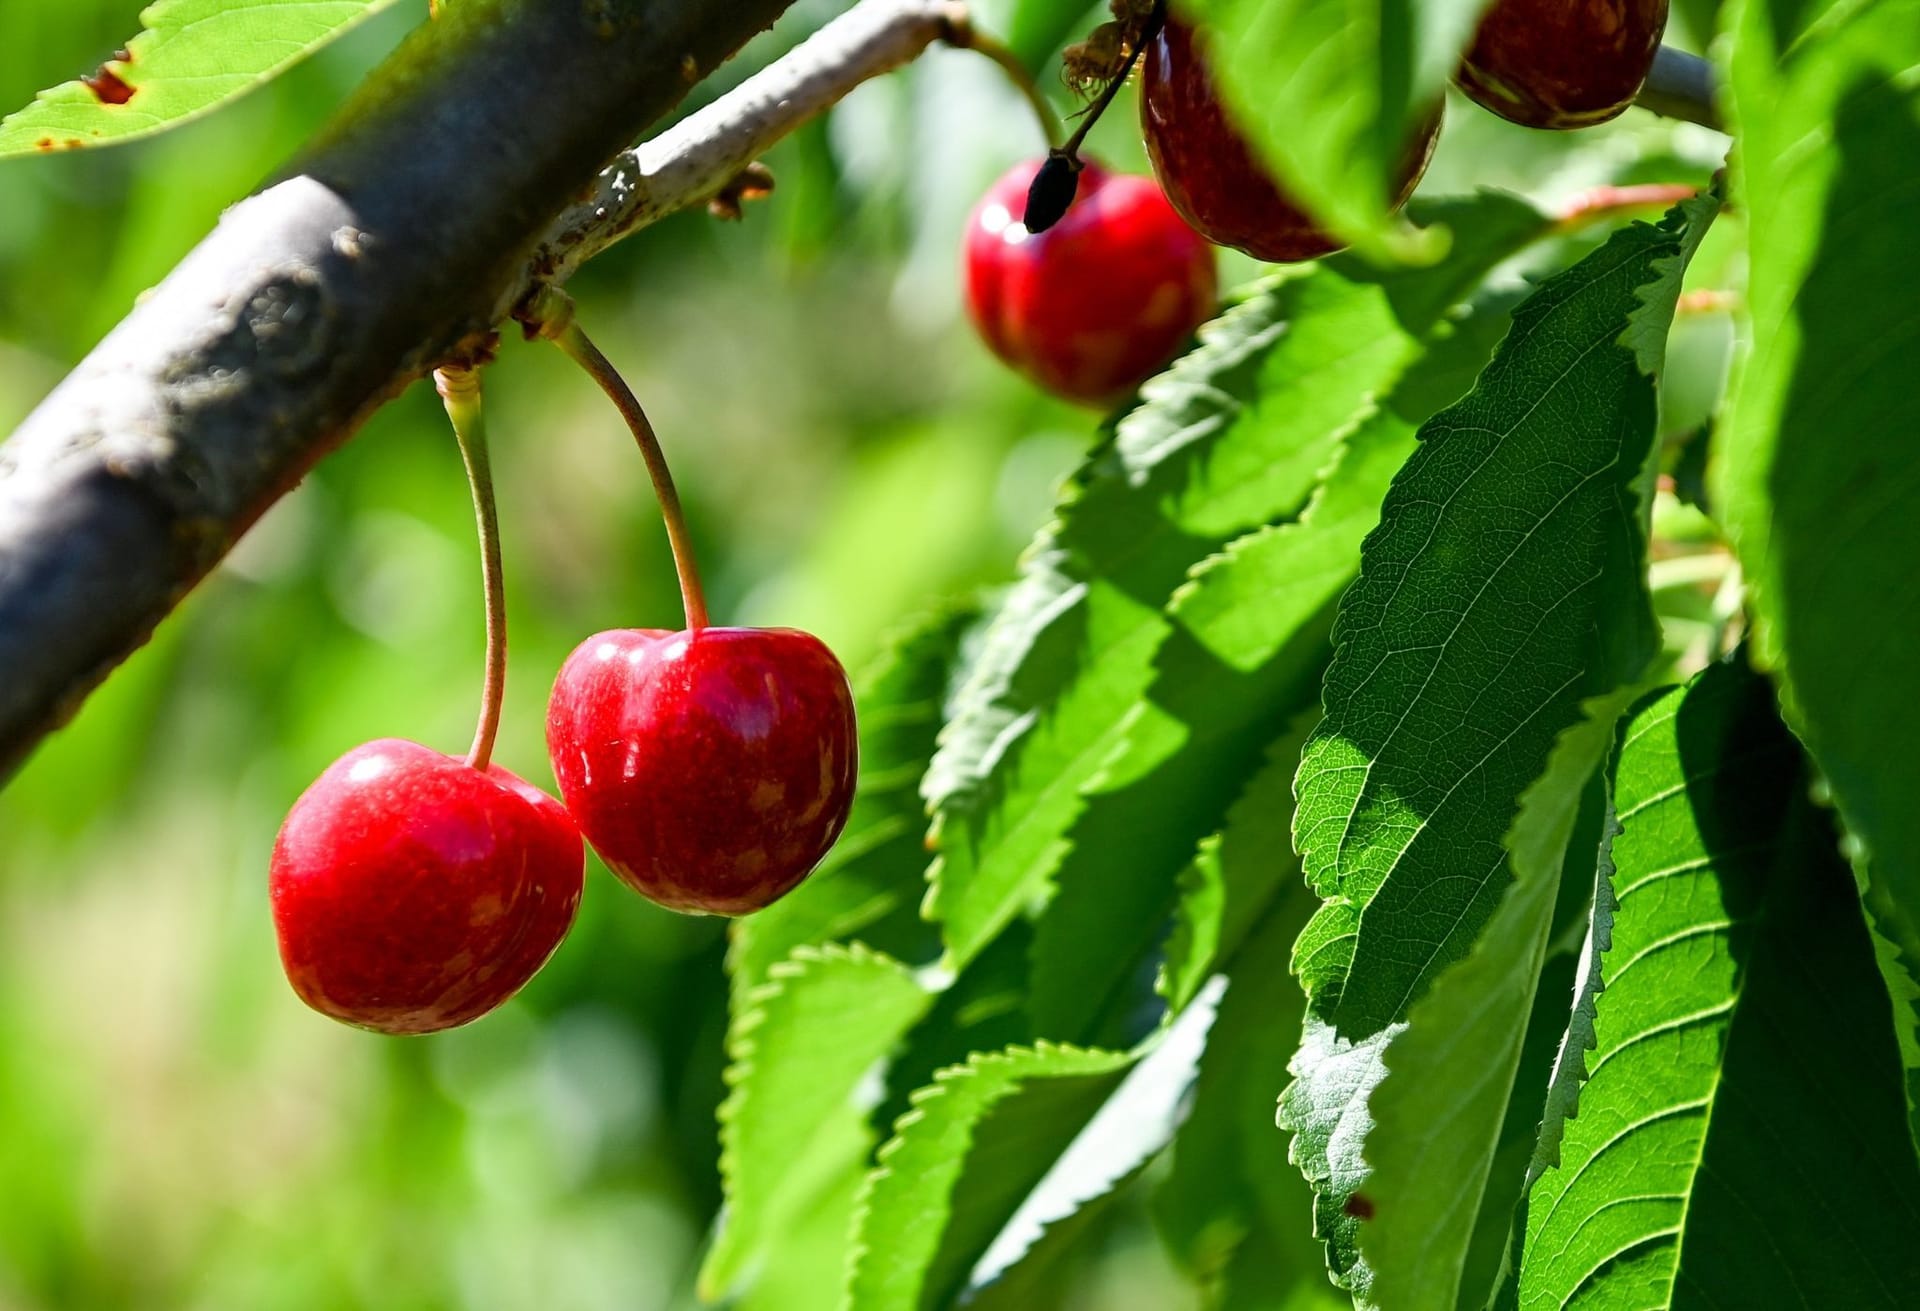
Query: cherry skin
x=710 y=769
x=1093 y=306
x=412 y=892
x=1210 y=173
x=1562 y=63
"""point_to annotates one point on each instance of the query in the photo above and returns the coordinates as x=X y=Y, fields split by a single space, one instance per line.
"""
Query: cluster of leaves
x=1570 y=993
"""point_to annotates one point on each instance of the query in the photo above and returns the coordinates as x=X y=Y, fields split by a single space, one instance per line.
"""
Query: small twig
x=751 y=183
x=699 y=158
x=1681 y=86
x=695 y=159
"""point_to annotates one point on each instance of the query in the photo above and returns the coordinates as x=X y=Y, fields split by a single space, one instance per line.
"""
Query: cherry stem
x=962 y=35
x=1605 y=201
x=459 y=389
x=1148 y=30
x=555 y=321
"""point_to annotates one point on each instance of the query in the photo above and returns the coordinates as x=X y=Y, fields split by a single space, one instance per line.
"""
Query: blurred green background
x=176 y=1130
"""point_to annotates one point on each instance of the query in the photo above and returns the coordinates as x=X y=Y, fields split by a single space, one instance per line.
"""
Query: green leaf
x=1741 y=1139
x=1000 y=1120
x=192 y=55
x=1818 y=468
x=1503 y=592
x=791 y=1126
x=872 y=880
x=1570 y=1063
x=1463 y=1055
x=1364 y=73
x=1081 y=627
x=802 y=1266
x=1236 y=436
x=1232 y=1211
x=1130 y=1130
x=1041 y=1276
x=982 y=1010
x=1234 y=876
x=1502 y=589
x=1459 y=1060
x=1247 y=650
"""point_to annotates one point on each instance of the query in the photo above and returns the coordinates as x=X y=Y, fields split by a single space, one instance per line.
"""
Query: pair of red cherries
x=1097 y=302
x=711 y=769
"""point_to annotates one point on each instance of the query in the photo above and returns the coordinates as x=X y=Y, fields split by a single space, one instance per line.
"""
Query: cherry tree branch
x=417 y=223
x=391 y=245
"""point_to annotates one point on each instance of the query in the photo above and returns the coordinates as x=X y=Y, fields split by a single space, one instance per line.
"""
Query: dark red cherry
x=710 y=769
x=1096 y=304
x=1562 y=63
x=1210 y=173
x=412 y=892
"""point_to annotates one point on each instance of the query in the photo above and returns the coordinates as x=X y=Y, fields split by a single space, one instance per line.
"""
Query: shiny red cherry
x=1562 y=63
x=710 y=769
x=1093 y=306
x=1210 y=173
x=412 y=892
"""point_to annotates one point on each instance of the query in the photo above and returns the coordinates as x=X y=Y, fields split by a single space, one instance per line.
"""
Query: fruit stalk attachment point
x=552 y=317
x=459 y=390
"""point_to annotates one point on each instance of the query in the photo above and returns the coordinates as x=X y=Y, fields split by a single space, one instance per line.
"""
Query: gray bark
x=396 y=240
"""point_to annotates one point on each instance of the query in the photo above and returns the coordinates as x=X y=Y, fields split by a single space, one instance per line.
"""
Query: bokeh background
x=176 y=1130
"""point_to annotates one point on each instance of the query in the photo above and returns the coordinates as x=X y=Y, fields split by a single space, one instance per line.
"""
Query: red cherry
x=1093 y=306
x=1208 y=170
x=412 y=892
x=710 y=769
x=1554 y=64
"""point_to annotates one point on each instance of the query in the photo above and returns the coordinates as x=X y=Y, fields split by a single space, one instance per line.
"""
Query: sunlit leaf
x=791 y=1127
x=1503 y=591
x=1130 y=1130
x=1041 y=1275
x=1248 y=646
x=1225 y=893
x=1000 y=1120
x=1741 y=1138
x=1459 y=1058
x=1818 y=469
x=1236 y=436
x=794 y=1143
x=190 y=57
x=1234 y=1213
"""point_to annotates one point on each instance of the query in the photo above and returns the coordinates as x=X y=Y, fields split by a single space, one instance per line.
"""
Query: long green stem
x=460 y=391
x=566 y=334
x=966 y=37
